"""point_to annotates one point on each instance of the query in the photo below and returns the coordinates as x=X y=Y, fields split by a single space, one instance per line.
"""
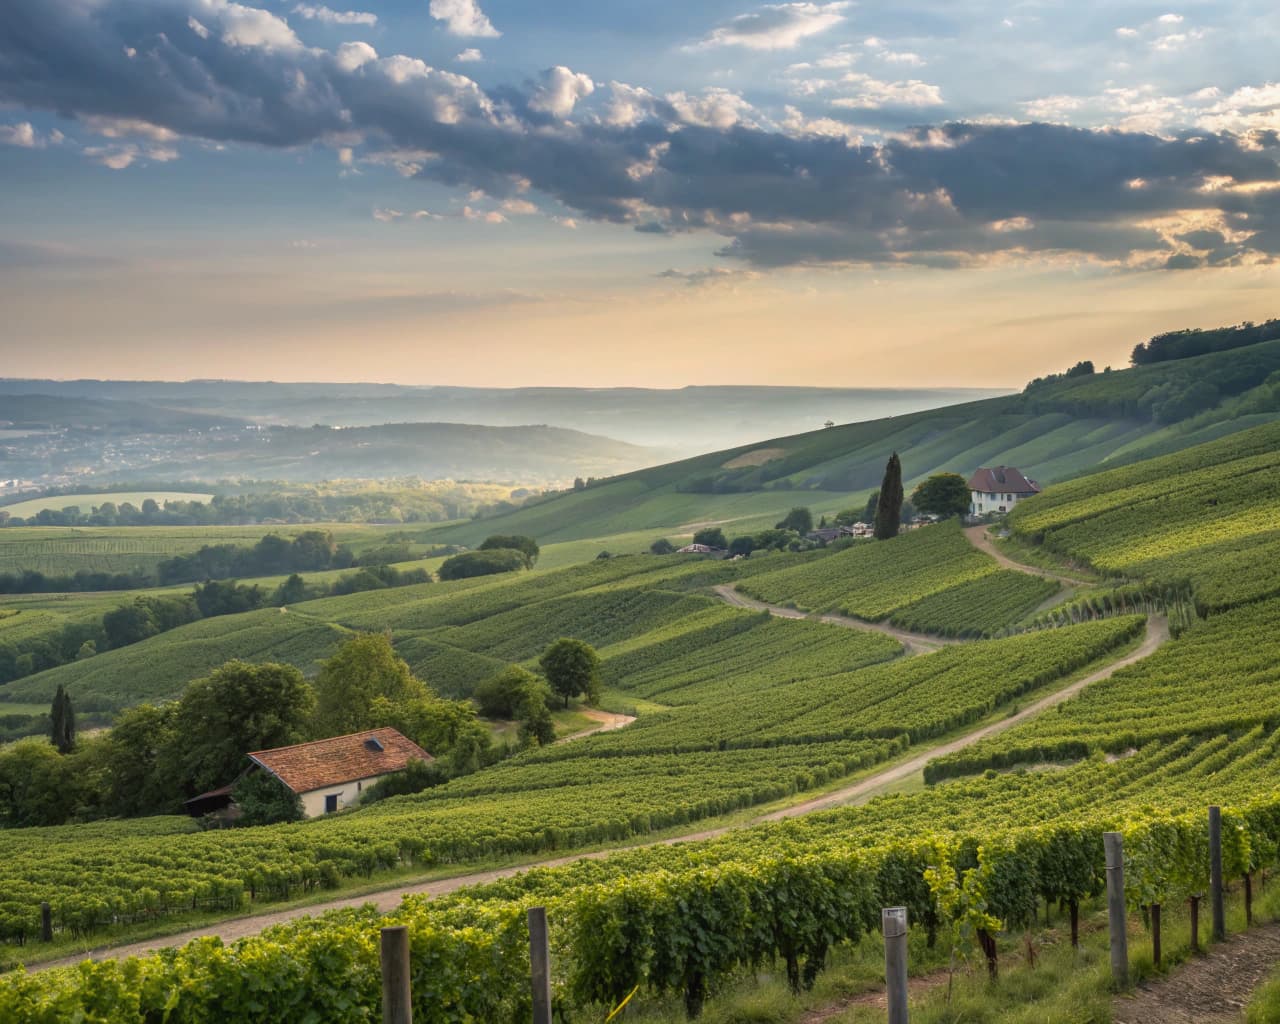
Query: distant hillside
x=48 y=411
x=687 y=420
x=83 y=457
x=1057 y=428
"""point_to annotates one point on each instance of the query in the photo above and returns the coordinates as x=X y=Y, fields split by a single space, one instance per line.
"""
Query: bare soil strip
x=1211 y=989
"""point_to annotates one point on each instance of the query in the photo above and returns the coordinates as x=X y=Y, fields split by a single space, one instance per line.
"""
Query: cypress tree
x=63 y=719
x=889 y=507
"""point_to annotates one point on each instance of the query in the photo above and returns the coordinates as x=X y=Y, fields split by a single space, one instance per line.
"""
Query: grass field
x=86 y=502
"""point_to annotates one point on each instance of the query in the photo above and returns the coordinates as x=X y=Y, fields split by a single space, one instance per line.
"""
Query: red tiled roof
x=1002 y=479
x=307 y=766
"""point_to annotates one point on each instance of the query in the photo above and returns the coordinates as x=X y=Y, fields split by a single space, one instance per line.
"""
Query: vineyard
x=1209 y=517
x=791 y=734
x=757 y=710
x=930 y=580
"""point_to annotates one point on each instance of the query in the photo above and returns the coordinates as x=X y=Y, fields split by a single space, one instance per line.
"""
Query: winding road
x=916 y=643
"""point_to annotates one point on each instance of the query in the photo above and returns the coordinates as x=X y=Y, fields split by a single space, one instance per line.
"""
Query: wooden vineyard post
x=397 y=993
x=1074 y=908
x=540 y=963
x=46 y=922
x=893 y=921
x=1215 y=874
x=1155 y=933
x=1113 y=842
x=1195 y=923
x=1248 y=900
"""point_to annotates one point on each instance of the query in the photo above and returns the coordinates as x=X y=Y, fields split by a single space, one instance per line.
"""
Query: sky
x=632 y=192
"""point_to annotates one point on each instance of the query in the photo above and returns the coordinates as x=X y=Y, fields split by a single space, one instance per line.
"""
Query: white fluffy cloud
x=331 y=17
x=353 y=55
x=463 y=18
x=560 y=90
x=20 y=134
x=777 y=26
x=627 y=105
x=469 y=56
x=871 y=93
x=715 y=108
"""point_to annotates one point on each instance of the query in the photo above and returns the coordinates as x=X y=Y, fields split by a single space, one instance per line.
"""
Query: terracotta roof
x=361 y=755
x=1002 y=479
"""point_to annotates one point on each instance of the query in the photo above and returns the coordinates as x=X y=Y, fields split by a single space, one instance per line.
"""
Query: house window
x=330 y=803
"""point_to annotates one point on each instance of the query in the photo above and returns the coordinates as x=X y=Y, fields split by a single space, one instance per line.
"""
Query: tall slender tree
x=889 y=507
x=63 y=719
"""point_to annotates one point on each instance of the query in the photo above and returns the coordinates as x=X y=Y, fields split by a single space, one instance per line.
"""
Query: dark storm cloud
x=939 y=196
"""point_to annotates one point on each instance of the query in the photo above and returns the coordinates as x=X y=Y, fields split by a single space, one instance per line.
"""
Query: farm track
x=915 y=643
x=978 y=537
x=388 y=899
x=606 y=721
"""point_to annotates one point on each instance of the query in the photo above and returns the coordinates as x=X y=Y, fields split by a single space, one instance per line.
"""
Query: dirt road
x=979 y=539
x=915 y=643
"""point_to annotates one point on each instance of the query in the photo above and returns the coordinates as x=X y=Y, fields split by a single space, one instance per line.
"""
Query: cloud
x=871 y=93
x=331 y=17
x=715 y=108
x=799 y=192
x=559 y=91
x=469 y=56
x=463 y=18
x=519 y=207
x=708 y=276
x=776 y=26
x=628 y=105
x=20 y=134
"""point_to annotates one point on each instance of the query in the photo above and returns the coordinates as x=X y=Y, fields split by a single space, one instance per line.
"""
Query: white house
x=329 y=775
x=996 y=490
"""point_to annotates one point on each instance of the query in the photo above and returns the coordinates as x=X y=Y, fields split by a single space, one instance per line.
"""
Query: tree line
x=157 y=755
x=944 y=495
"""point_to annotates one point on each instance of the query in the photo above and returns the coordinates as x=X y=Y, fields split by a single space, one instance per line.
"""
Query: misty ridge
x=68 y=433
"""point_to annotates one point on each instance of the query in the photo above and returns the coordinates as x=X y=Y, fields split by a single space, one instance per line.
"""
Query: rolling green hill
x=1056 y=429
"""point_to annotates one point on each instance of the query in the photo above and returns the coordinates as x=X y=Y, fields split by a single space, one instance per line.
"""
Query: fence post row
x=893 y=921
x=397 y=994
x=1215 y=874
x=540 y=964
x=46 y=922
x=1113 y=842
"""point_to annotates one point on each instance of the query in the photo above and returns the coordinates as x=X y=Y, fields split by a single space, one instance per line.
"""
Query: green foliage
x=501 y=695
x=363 y=669
x=482 y=563
x=798 y=520
x=62 y=719
x=527 y=546
x=889 y=505
x=662 y=546
x=572 y=667
x=414 y=777
x=265 y=800
x=711 y=536
x=943 y=494
x=238 y=709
